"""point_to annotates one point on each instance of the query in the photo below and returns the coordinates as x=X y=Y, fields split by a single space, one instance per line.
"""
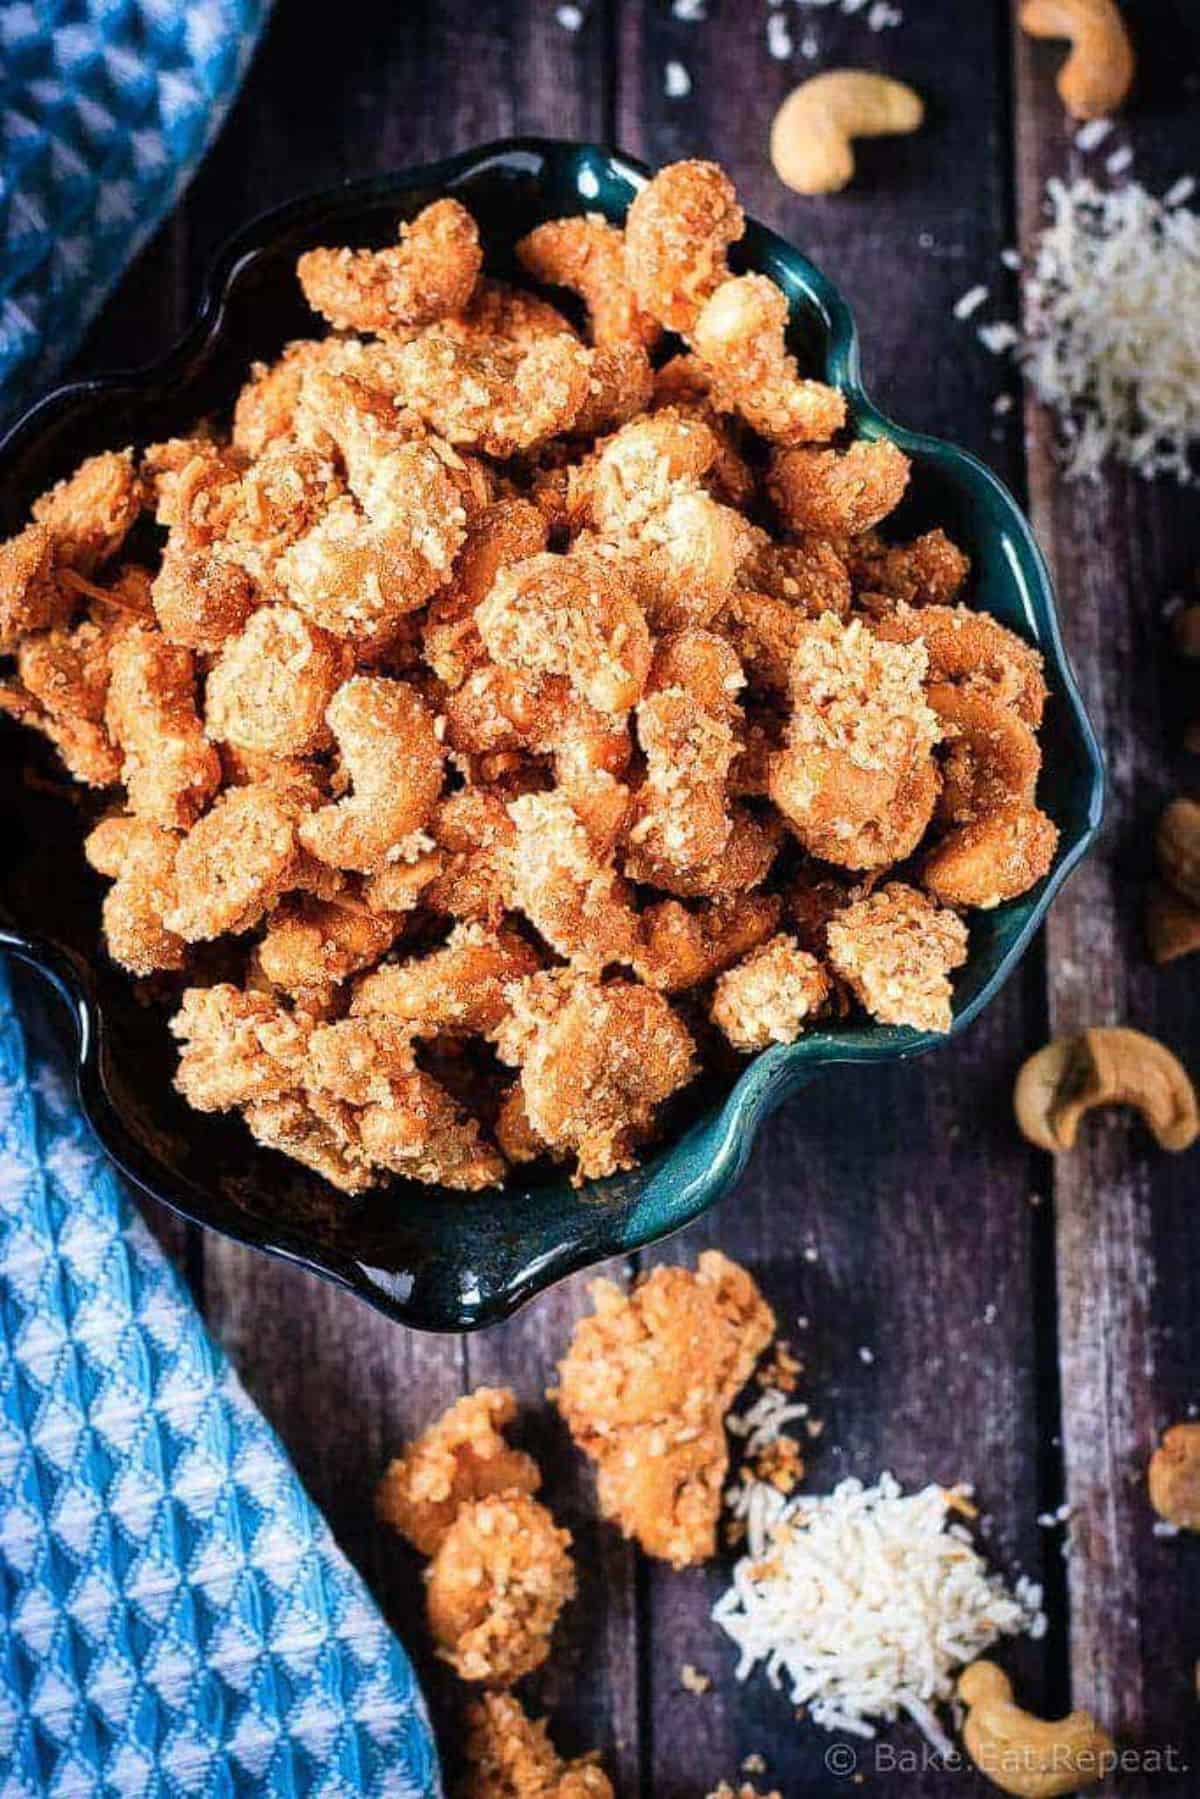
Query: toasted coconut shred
x=863 y=1603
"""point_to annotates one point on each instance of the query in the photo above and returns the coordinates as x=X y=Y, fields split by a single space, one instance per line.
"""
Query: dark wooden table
x=1030 y=1328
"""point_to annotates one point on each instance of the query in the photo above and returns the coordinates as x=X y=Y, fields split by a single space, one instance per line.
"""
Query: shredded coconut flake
x=677 y=83
x=998 y=337
x=761 y=1423
x=879 y=15
x=862 y=1604
x=779 y=38
x=970 y=302
x=1093 y=134
x=1113 y=327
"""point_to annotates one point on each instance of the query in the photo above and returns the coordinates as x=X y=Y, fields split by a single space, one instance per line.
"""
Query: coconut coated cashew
x=1035 y=1758
x=1105 y=1066
x=812 y=133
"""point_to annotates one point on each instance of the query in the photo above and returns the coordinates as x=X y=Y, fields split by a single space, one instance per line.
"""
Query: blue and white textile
x=106 y=107
x=175 y=1617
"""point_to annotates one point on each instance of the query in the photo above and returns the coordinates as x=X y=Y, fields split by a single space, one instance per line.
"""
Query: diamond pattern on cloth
x=106 y=107
x=175 y=1618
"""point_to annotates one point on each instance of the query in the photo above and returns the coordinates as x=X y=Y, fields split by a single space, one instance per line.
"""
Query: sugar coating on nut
x=510 y=1754
x=461 y=1456
x=497 y=1582
x=644 y=1388
x=770 y=996
x=896 y=949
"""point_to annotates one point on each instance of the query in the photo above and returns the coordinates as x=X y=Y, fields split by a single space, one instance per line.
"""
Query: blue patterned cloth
x=106 y=107
x=175 y=1617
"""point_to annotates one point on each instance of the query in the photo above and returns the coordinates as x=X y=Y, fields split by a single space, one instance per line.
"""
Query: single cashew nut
x=1177 y=843
x=1172 y=925
x=1035 y=1758
x=391 y=751
x=1098 y=73
x=1185 y=630
x=1038 y=1083
x=1173 y=1476
x=812 y=131
x=1105 y=1066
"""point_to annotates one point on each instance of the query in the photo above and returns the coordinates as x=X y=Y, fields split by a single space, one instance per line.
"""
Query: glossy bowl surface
x=447 y=1261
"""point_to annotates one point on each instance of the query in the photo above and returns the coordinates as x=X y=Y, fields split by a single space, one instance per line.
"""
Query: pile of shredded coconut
x=1112 y=327
x=865 y=1602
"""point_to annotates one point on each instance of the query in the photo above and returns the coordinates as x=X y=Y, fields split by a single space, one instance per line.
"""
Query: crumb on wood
x=781 y=1464
x=781 y=1369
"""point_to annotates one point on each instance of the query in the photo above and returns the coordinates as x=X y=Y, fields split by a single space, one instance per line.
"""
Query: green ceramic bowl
x=436 y=1260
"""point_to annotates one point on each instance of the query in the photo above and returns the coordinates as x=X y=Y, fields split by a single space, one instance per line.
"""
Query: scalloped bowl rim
x=772 y=1074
